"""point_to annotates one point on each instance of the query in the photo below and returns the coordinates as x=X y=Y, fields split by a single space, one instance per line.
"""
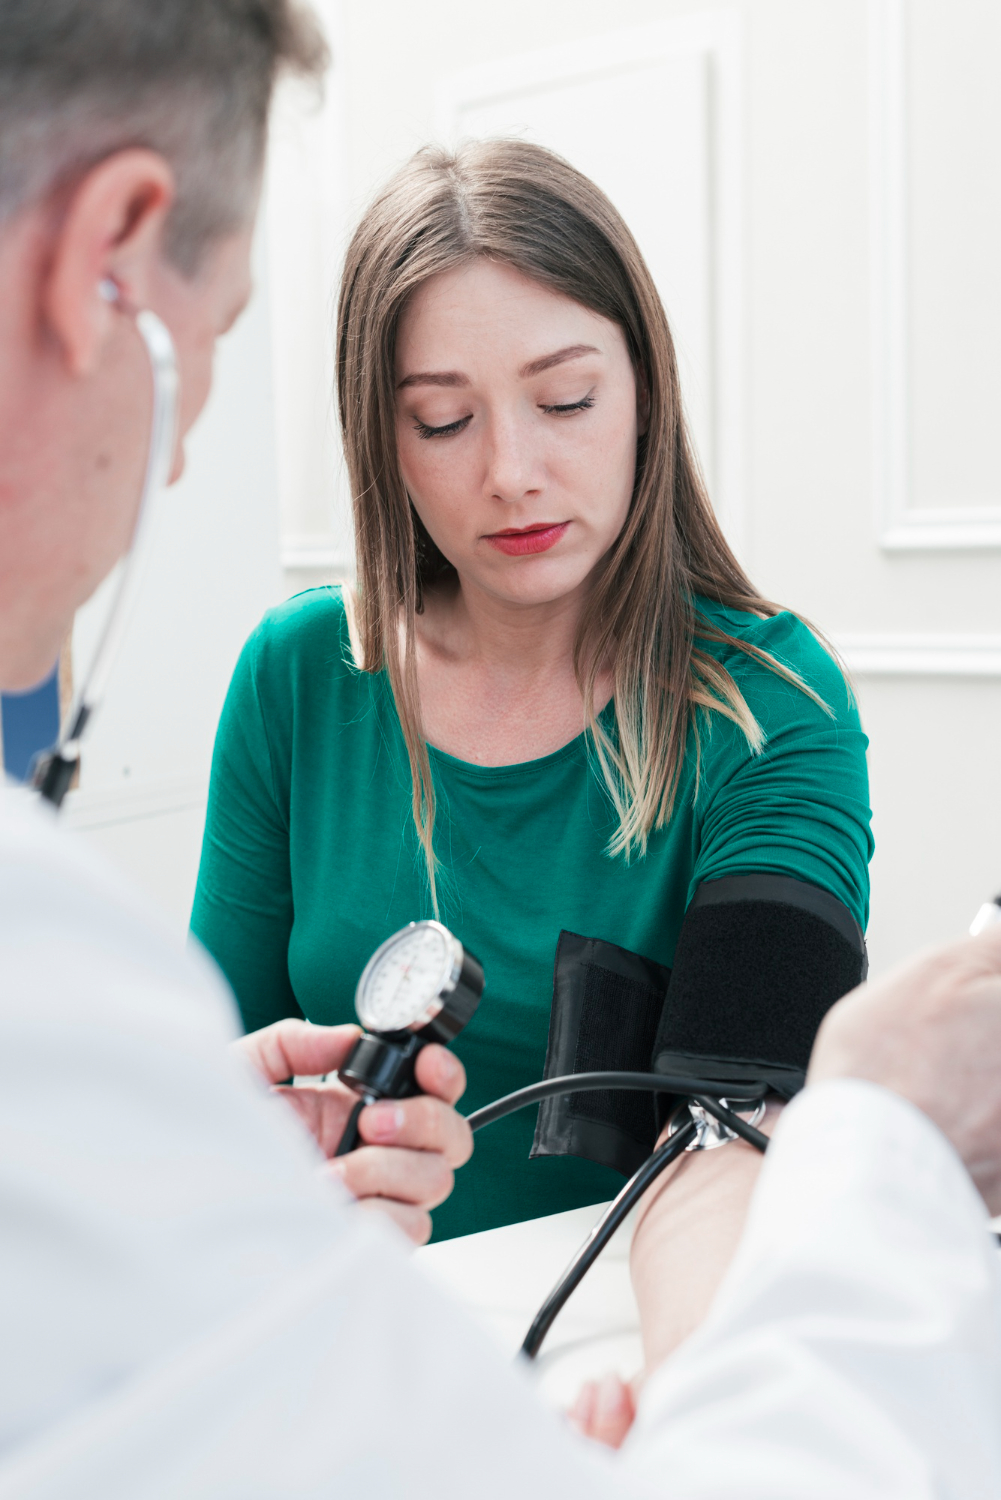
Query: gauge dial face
x=402 y=983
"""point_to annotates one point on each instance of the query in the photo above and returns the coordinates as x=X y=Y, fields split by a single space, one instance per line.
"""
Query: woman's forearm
x=688 y=1227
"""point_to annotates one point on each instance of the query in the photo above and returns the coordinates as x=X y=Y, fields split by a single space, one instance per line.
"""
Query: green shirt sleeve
x=800 y=807
x=243 y=900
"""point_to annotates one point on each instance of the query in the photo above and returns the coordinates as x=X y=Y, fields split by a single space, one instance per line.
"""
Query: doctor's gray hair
x=189 y=79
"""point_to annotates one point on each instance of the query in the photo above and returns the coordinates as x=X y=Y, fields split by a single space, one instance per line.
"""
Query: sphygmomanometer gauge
x=420 y=986
x=421 y=981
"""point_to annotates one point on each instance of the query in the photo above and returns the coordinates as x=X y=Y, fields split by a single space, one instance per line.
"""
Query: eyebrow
x=455 y=378
x=434 y=377
x=561 y=356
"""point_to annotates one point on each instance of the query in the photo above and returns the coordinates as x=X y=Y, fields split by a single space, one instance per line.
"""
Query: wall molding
x=320 y=554
x=104 y=807
x=715 y=35
x=901 y=526
x=921 y=655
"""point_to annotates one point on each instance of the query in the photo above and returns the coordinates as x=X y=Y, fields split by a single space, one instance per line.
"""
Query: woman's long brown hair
x=528 y=208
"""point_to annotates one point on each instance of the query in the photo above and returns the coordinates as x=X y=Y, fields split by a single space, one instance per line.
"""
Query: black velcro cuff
x=607 y=1003
x=760 y=961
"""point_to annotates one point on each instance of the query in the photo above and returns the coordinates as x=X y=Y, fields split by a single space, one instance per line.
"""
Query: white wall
x=306 y=225
x=818 y=187
x=677 y=85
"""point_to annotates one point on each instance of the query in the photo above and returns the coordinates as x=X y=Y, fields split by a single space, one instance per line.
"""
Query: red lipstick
x=520 y=541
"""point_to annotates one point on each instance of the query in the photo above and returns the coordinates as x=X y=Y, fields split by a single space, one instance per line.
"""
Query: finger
x=613 y=1412
x=324 y=1109
x=581 y=1413
x=987 y=947
x=440 y=1072
x=420 y=1177
x=415 y=1222
x=421 y=1124
x=293 y=1047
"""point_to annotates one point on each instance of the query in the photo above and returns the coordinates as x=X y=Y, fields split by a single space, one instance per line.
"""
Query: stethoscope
x=54 y=770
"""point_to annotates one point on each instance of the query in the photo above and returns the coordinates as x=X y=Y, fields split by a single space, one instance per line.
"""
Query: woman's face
x=516 y=421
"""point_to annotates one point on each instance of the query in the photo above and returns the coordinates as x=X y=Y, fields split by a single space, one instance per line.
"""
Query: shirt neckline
x=572 y=749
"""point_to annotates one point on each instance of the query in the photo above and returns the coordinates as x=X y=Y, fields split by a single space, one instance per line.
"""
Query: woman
x=557 y=705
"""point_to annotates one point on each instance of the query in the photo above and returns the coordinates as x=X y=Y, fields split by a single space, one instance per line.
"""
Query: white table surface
x=503 y=1275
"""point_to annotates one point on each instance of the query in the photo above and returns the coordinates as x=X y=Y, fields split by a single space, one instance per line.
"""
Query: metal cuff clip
x=710 y=1132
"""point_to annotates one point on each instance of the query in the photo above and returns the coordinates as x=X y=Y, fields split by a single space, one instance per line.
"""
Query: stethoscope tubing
x=55 y=770
x=614 y=1215
x=702 y=1091
x=705 y=1091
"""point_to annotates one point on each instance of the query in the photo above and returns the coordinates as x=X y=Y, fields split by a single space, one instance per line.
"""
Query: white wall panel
x=651 y=115
x=157 y=853
x=305 y=226
x=937 y=818
x=935 y=109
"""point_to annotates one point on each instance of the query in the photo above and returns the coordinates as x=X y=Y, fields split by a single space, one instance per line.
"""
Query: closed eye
x=424 y=431
x=584 y=404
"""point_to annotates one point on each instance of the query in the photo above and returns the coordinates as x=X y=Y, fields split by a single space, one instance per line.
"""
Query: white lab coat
x=187 y=1310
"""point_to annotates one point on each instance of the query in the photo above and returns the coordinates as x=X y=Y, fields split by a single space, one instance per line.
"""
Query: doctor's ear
x=110 y=235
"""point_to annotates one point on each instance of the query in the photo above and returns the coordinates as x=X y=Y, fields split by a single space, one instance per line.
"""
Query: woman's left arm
x=686 y=1233
x=753 y=976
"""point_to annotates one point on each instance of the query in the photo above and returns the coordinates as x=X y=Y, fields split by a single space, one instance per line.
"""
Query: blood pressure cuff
x=759 y=961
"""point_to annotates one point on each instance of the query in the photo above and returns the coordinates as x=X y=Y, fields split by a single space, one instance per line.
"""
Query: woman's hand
x=412 y=1145
x=604 y=1410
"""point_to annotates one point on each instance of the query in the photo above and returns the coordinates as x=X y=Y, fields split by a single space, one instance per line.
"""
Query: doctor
x=186 y=1305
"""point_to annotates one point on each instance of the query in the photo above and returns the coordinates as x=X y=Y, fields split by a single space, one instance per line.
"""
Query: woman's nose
x=513 y=465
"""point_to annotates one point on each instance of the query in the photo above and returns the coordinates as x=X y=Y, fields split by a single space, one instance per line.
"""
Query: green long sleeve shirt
x=310 y=857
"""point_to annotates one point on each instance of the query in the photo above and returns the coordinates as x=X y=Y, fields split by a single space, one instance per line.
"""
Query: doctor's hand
x=931 y=1031
x=412 y=1146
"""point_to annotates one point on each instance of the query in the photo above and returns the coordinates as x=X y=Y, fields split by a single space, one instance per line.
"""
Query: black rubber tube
x=349 y=1135
x=572 y=1083
x=708 y=1096
x=601 y=1234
